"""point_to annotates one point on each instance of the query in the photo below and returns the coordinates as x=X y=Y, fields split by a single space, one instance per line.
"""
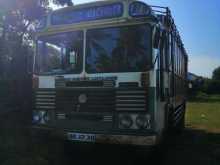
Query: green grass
x=204 y=115
x=203 y=130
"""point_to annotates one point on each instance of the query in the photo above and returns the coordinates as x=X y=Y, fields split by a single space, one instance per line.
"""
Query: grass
x=204 y=115
x=200 y=142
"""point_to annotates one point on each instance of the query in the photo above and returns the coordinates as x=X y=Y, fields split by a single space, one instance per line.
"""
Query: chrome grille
x=108 y=118
x=98 y=100
x=108 y=84
x=131 y=100
x=45 y=99
x=61 y=83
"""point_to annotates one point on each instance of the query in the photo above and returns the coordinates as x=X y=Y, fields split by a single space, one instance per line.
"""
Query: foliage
x=213 y=87
x=18 y=19
x=216 y=74
x=209 y=86
x=63 y=2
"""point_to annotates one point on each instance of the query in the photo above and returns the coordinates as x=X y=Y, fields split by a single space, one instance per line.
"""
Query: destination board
x=139 y=9
x=87 y=14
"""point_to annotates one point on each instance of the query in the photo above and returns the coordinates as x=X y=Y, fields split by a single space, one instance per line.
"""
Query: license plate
x=81 y=137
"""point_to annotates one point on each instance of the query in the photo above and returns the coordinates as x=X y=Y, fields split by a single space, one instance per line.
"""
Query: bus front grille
x=97 y=100
x=62 y=82
x=45 y=99
x=131 y=100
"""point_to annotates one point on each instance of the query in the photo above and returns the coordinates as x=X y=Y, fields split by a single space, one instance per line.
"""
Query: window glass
x=118 y=49
x=60 y=53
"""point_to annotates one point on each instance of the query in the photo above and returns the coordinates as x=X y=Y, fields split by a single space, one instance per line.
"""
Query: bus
x=109 y=72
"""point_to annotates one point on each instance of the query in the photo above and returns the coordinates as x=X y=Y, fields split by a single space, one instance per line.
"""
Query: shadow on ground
x=17 y=147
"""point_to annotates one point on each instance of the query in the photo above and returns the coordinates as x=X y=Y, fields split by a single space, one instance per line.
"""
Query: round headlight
x=126 y=121
x=142 y=122
x=40 y=117
x=36 y=117
x=46 y=117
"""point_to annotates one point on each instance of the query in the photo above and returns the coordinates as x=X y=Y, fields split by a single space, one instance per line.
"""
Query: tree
x=216 y=74
x=63 y=2
x=18 y=19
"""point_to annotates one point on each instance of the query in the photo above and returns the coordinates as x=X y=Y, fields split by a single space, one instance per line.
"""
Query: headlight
x=36 y=117
x=46 y=117
x=143 y=122
x=134 y=121
x=125 y=121
x=40 y=117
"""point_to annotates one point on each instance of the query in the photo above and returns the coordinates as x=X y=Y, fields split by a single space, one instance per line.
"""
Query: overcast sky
x=199 y=24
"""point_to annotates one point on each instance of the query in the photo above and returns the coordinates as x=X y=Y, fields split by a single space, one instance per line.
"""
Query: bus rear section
x=102 y=77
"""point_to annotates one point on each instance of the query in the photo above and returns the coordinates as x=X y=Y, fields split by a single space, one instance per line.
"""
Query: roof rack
x=165 y=17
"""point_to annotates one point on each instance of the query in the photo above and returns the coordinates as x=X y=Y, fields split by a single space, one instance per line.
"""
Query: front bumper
x=135 y=140
x=127 y=140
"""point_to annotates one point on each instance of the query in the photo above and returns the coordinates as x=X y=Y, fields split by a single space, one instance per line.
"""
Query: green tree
x=18 y=19
x=216 y=74
x=17 y=24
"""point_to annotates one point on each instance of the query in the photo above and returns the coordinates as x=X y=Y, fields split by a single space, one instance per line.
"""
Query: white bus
x=111 y=72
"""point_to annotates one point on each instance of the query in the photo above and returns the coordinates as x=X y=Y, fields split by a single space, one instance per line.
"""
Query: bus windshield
x=118 y=49
x=60 y=53
x=108 y=50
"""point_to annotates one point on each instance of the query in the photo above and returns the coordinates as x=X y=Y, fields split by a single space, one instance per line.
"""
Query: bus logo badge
x=82 y=98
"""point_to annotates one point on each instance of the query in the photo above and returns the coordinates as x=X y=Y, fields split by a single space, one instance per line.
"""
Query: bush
x=213 y=87
x=203 y=92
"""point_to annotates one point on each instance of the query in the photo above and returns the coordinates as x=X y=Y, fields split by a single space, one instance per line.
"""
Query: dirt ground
x=18 y=148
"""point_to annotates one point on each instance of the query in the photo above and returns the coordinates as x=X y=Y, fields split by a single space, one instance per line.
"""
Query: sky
x=198 y=22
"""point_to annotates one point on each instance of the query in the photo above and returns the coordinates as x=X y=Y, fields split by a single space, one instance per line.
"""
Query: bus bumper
x=127 y=140
x=135 y=140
